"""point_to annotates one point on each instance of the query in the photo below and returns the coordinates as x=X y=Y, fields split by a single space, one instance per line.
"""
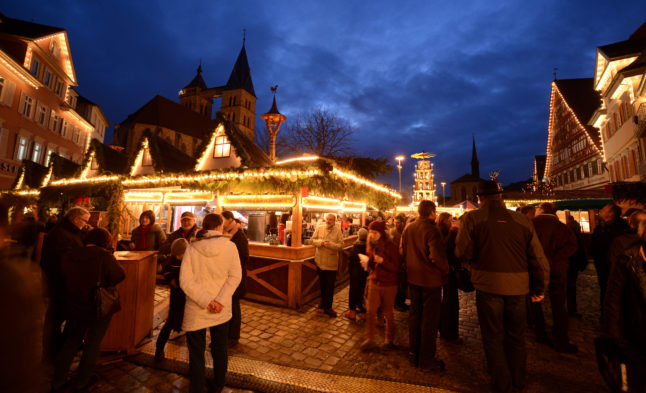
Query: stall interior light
x=320 y=203
x=353 y=207
x=191 y=196
x=256 y=202
x=155 y=197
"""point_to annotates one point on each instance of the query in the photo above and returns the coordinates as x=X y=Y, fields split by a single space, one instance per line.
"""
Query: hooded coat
x=210 y=271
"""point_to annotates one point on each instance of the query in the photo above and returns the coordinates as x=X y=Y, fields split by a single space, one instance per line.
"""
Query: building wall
x=240 y=107
x=35 y=121
x=185 y=143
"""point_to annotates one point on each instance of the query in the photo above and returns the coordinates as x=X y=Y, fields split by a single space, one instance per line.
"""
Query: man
x=396 y=235
x=65 y=236
x=427 y=268
x=505 y=256
x=612 y=225
x=209 y=276
x=529 y=211
x=234 y=229
x=578 y=263
x=559 y=243
x=187 y=230
x=328 y=241
x=450 y=312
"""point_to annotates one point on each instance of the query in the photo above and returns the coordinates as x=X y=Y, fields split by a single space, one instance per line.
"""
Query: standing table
x=135 y=320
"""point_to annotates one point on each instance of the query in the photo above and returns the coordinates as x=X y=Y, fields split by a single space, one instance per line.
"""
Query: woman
x=383 y=268
x=450 y=311
x=148 y=236
x=82 y=268
x=357 y=277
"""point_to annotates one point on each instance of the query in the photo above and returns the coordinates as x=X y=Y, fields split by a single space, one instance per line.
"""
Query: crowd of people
x=408 y=264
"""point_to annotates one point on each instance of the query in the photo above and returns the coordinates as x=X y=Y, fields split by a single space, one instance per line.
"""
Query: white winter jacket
x=210 y=271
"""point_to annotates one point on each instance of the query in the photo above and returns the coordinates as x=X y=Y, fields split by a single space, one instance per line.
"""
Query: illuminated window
x=147 y=159
x=48 y=156
x=37 y=152
x=21 y=148
x=222 y=147
x=55 y=123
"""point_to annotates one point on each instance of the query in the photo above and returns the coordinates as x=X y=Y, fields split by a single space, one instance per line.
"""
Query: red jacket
x=387 y=272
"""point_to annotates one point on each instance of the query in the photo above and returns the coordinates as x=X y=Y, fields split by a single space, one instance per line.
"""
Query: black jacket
x=80 y=268
x=178 y=234
x=63 y=238
x=242 y=244
x=354 y=266
x=603 y=236
x=177 y=296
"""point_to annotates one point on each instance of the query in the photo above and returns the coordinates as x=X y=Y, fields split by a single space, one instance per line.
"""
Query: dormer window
x=222 y=147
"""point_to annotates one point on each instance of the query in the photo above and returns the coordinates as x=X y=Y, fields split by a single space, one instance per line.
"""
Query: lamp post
x=399 y=169
x=443 y=194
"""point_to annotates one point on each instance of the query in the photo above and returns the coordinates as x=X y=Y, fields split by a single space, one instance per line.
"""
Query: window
x=48 y=78
x=21 y=148
x=64 y=128
x=42 y=116
x=27 y=105
x=37 y=153
x=222 y=147
x=53 y=48
x=48 y=156
x=75 y=136
x=55 y=123
x=58 y=89
x=2 y=82
x=34 y=67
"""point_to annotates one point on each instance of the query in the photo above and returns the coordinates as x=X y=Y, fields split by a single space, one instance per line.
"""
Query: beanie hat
x=379 y=226
x=363 y=234
x=178 y=247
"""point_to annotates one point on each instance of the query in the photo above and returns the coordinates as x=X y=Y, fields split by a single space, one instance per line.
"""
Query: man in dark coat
x=187 y=230
x=578 y=263
x=67 y=235
x=450 y=314
x=396 y=235
x=559 y=243
x=507 y=263
x=233 y=228
x=427 y=269
x=358 y=276
x=612 y=225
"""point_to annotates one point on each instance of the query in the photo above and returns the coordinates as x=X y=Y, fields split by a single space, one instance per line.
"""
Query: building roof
x=468 y=178
x=197 y=81
x=26 y=29
x=635 y=44
x=32 y=175
x=166 y=157
x=583 y=100
x=83 y=100
x=109 y=160
x=163 y=112
x=240 y=77
x=62 y=167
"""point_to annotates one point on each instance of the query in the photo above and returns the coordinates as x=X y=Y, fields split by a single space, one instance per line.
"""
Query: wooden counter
x=135 y=320
x=286 y=276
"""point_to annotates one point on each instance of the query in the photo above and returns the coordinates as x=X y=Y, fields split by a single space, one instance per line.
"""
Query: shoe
x=433 y=365
x=368 y=346
x=84 y=388
x=232 y=342
x=330 y=312
x=351 y=315
x=402 y=307
x=159 y=356
x=567 y=348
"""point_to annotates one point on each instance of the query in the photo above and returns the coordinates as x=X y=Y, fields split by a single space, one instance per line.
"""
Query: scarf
x=143 y=237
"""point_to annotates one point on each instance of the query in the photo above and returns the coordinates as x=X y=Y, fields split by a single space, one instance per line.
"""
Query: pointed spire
x=197 y=81
x=475 y=165
x=240 y=77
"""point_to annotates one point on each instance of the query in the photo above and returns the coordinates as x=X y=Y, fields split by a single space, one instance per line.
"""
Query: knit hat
x=363 y=234
x=188 y=215
x=379 y=226
x=178 y=247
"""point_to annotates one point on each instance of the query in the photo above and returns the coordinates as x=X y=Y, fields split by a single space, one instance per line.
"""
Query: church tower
x=475 y=165
x=238 y=96
x=194 y=98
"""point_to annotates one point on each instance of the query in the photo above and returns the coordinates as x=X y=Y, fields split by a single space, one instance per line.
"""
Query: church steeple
x=194 y=96
x=475 y=165
x=238 y=96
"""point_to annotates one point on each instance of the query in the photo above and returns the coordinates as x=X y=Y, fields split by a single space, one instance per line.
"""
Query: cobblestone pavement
x=307 y=344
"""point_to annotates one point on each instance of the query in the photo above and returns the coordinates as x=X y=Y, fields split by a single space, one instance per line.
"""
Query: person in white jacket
x=209 y=276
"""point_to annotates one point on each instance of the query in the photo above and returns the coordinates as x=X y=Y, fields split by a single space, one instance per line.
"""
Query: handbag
x=106 y=299
x=463 y=279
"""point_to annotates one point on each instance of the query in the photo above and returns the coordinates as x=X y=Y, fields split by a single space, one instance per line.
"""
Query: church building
x=464 y=188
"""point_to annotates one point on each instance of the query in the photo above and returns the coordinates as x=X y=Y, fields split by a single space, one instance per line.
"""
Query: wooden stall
x=135 y=320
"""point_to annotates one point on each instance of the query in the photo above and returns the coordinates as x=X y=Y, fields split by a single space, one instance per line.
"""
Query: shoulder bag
x=106 y=299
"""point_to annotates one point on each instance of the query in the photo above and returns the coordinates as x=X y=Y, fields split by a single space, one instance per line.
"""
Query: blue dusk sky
x=408 y=75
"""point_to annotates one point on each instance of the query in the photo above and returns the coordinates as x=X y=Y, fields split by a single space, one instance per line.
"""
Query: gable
x=218 y=152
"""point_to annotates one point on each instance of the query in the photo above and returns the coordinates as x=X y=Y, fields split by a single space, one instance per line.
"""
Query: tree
x=320 y=133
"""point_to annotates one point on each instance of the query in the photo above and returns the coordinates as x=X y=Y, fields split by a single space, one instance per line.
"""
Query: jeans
x=196 y=341
x=236 y=319
x=502 y=324
x=423 y=321
x=383 y=297
x=73 y=337
x=326 y=282
x=559 y=315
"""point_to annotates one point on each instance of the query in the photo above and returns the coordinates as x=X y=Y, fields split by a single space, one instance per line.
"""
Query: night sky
x=408 y=75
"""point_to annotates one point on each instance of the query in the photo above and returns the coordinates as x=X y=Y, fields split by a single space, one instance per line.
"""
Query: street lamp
x=443 y=194
x=399 y=169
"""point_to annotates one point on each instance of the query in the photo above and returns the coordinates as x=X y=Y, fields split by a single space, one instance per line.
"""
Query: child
x=177 y=297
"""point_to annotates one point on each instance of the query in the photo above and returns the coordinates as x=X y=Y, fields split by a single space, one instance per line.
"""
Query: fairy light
x=365 y=183
x=208 y=151
x=188 y=196
x=139 y=158
x=303 y=158
x=320 y=203
x=48 y=176
x=136 y=196
x=353 y=207
x=20 y=179
x=19 y=71
x=100 y=179
x=255 y=202
x=88 y=165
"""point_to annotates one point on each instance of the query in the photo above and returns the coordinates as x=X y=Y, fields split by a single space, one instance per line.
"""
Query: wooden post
x=218 y=206
x=592 y=214
x=294 y=277
x=297 y=221
x=363 y=219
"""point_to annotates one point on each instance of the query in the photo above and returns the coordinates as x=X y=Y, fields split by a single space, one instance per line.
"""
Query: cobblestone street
x=283 y=350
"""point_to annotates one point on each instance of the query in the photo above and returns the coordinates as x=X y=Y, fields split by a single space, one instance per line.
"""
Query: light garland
x=257 y=202
x=247 y=175
x=303 y=158
x=100 y=179
x=88 y=165
x=365 y=183
x=139 y=158
x=207 y=152
x=136 y=196
x=320 y=203
x=188 y=196
x=20 y=180
x=353 y=207
x=48 y=176
x=19 y=71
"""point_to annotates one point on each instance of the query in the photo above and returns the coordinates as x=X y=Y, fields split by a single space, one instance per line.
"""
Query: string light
x=303 y=158
x=139 y=158
x=88 y=165
x=136 y=196
x=209 y=148
x=320 y=203
x=20 y=180
x=257 y=202
x=48 y=176
x=19 y=71
x=365 y=182
x=188 y=196
x=100 y=179
x=353 y=207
